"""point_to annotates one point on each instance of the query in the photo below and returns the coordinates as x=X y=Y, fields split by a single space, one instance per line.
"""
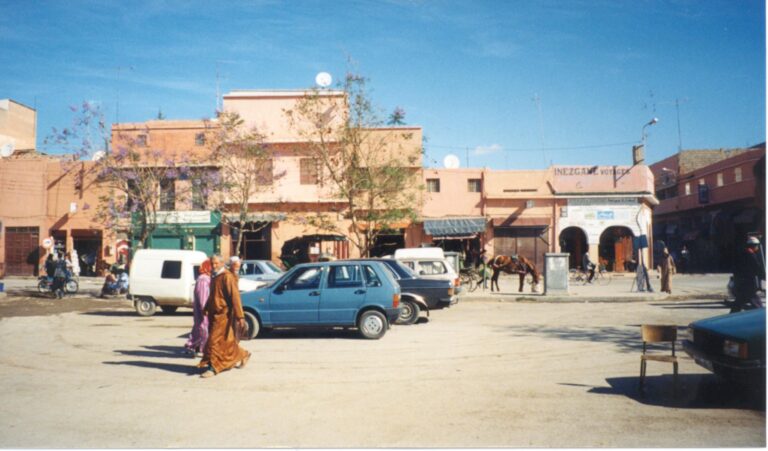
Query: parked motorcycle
x=45 y=285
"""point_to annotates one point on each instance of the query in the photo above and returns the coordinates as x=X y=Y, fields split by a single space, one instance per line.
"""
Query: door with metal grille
x=22 y=250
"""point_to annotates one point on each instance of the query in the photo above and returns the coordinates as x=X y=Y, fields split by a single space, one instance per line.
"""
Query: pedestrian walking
x=199 y=334
x=226 y=319
x=667 y=268
x=234 y=265
x=749 y=271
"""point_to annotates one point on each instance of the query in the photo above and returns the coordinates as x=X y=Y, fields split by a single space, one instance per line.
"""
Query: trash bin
x=556 y=273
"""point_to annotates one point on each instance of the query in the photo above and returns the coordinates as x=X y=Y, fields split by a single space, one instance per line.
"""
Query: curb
x=584 y=299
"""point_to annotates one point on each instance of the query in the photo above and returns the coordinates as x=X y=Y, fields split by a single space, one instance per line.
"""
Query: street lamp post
x=641 y=276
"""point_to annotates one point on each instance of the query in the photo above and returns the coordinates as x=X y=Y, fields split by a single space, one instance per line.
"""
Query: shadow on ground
x=709 y=305
x=695 y=391
x=189 y=370
x=626 y=338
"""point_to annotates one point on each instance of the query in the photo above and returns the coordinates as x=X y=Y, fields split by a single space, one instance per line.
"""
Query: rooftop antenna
x=323 y=79
x=451 y=161
x=537 y=100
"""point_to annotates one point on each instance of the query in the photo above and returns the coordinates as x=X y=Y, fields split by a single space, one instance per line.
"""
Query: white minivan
x=166 y=278
x=430 y=263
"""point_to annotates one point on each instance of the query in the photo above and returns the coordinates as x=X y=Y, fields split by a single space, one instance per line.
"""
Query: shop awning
x=454 y=227
x=517 y=221
x=255 y=217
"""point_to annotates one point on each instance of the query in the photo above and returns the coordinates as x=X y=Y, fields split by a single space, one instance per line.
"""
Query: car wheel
x=253 y=325
x=169 y=308
x=145 y=306
x=71 y=286
x=372 y=324
x=409 y=313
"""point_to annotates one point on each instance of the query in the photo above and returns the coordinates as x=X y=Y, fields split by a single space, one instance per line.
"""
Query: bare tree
x=245 y=162
x=372 y=171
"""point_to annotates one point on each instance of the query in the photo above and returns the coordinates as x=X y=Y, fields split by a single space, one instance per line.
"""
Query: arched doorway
x=616 y=249
x=574 y=241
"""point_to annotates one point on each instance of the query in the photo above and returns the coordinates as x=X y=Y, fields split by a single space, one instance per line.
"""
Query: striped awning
x=453 y=227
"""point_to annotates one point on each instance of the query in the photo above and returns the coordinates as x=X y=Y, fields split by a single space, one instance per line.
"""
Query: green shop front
x=193 y=230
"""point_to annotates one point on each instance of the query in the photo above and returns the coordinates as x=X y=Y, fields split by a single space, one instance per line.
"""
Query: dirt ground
x=91 y=373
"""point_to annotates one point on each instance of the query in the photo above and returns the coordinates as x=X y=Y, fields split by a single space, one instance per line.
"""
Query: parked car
x=418 y=293
x=260 y=270
x=166 y=278
x=430 y=263
x=327 y=294
x=731 y=346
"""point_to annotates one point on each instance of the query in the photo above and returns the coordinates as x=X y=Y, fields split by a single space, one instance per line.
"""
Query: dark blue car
x=327 y=294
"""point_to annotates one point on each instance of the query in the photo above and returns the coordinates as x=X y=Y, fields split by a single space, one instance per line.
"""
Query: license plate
x=705 y=363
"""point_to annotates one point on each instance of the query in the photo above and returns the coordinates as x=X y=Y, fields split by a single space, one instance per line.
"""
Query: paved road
x=511 y=374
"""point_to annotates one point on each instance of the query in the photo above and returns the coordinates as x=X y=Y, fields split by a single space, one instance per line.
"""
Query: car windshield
x=271 y=267
x=405 y=271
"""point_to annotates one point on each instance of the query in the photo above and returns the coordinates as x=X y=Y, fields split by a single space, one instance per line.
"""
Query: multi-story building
x=710 y=200
x=292 y=188
x=43 y=197
x=575 y=209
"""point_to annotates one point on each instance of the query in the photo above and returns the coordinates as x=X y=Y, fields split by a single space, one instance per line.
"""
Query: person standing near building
x=225 y=317
x=667 y=268
x=749 y=271
x=199 y=334
x=588 y=266
x=234 y=265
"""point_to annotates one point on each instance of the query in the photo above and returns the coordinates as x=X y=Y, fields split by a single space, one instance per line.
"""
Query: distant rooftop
x=282 y=93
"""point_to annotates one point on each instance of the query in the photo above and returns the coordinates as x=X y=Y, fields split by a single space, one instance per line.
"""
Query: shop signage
x=591 y=170
x=605 y=214
x=183 y=217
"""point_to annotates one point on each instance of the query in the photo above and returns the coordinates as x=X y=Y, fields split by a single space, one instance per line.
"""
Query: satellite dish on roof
x=98 y=155
x=323 y=79
x=451 y=161
x=7 y=150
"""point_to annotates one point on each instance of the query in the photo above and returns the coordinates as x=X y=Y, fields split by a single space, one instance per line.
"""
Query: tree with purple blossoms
x=136 y=181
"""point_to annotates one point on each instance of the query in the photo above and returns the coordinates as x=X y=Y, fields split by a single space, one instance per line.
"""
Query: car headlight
x=735 y=349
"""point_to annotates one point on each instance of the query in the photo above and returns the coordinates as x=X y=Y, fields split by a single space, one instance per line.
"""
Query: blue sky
x=497 y=81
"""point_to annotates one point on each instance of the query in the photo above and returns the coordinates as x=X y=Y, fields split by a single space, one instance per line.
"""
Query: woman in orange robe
x=224 y=310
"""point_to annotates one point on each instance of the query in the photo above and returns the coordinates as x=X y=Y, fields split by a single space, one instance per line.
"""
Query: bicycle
x=602 y=276
x=470 y=278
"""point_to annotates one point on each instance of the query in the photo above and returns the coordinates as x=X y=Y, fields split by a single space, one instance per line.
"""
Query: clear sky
x=496 y=81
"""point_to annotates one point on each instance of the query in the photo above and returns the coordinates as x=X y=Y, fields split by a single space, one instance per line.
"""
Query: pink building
x=575 y=209
x=710 y=200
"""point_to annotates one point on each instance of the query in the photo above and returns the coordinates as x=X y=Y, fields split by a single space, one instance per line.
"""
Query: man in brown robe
x=224 y=310
x=667 y=267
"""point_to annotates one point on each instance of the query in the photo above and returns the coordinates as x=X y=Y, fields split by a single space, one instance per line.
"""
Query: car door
x=343 y=294
x=297 y=300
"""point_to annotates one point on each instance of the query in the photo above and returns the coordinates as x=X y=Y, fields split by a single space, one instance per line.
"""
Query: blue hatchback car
x=339 y=293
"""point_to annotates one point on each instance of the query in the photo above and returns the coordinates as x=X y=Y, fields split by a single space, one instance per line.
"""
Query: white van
x=166 y=278
x=430 y=263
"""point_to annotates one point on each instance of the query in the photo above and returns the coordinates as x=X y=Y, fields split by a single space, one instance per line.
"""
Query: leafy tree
x=372 y=172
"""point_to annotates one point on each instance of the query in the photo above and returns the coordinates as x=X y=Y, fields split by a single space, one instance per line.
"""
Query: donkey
x=514 y=264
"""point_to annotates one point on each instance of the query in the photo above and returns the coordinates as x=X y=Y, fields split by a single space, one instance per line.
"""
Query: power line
x=534 y=149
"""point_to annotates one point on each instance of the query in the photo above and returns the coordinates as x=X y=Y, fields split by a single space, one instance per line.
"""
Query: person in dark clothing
x=59 y=277
x=747 y=274
x=50 y=266
x=588 y=266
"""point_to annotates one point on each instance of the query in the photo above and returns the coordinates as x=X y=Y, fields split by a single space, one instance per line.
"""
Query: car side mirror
x=280 y=288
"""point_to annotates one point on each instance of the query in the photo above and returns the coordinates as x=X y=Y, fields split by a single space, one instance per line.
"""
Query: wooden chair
x=658 y=334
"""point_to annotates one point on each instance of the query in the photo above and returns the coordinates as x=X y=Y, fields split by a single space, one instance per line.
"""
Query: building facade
x=710 y=201
x=576 y=209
